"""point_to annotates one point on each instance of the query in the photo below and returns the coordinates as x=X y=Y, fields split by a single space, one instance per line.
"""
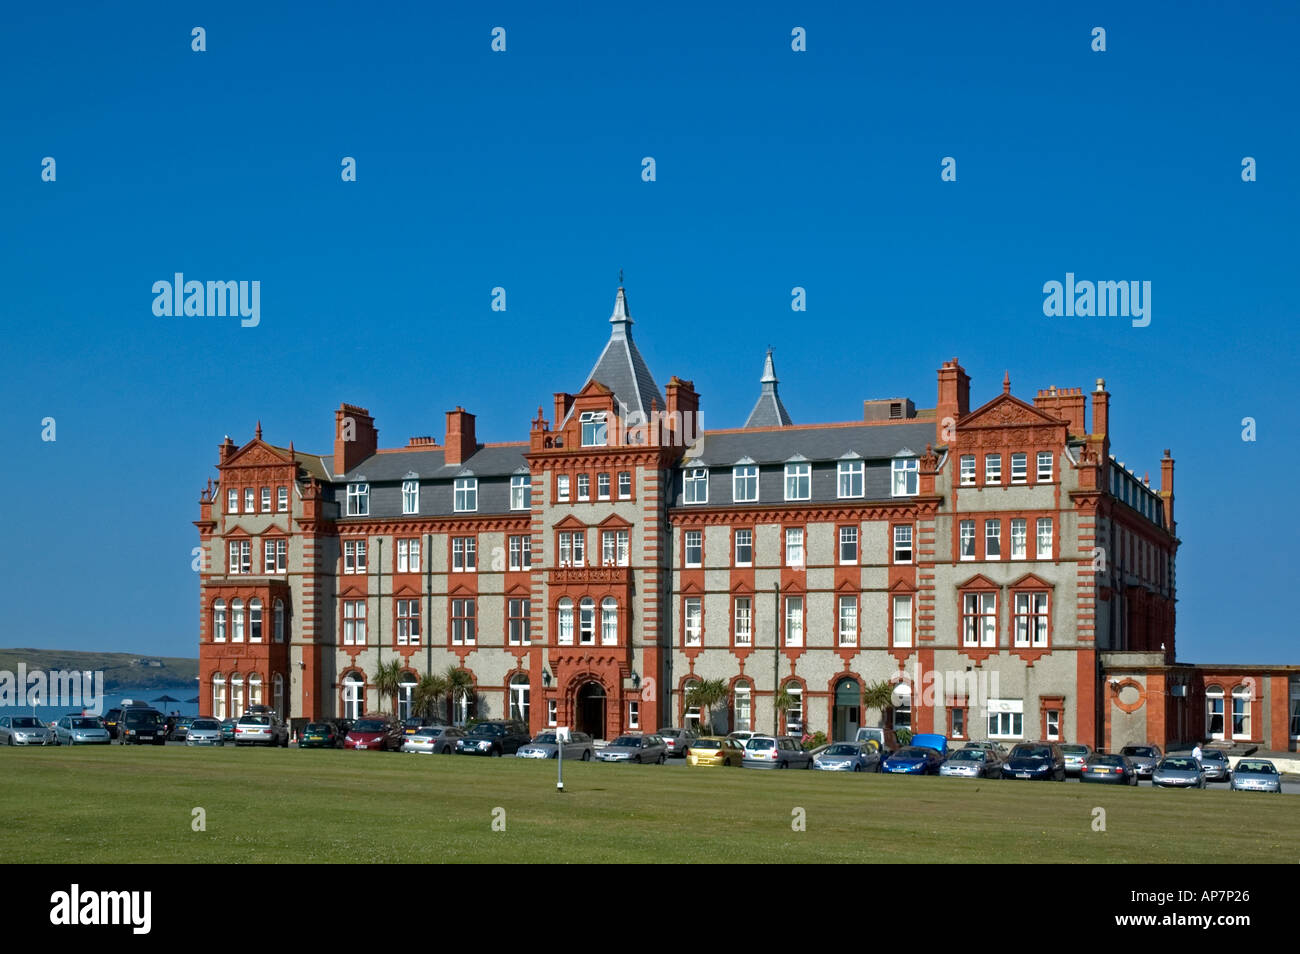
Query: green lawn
x=116 y=804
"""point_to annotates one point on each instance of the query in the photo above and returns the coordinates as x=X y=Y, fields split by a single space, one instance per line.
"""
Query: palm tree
x=880 y=696
x=428 y=691
x=387 y=680
x=459 y=684
x=783 y=701
x=706 y=695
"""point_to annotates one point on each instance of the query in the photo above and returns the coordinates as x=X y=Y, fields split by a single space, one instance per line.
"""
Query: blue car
x=912 y=760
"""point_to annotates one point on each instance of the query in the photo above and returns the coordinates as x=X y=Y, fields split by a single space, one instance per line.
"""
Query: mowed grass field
x=128 y=804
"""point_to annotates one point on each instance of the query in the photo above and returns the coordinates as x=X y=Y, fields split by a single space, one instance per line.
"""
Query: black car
x=141 y=727
x=112 y=718
x=1036 y=760
x=1109 y=769
x=494 y=739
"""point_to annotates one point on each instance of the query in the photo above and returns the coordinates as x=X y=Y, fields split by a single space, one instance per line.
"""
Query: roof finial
x=620 y=278
x=258 y=434
x=1006 y=382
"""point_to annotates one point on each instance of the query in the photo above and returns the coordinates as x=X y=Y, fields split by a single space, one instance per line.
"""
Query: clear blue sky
x=522 y=169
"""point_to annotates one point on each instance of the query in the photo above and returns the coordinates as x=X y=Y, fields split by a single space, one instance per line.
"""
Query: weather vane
x=620 y=276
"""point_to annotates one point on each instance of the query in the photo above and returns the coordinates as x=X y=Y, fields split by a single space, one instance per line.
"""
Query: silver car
x=677 y=740
x=24 y=730
x=261 y=728
x=635 y=748
x=1216 y=765
x=1256 y=775
x=848 y=757
x=433 y=740
x=1076 y=756
x=1143 y=757
x=546 y=746
x=80 y=730
x=204 y=731
x=972 y=763
x=769 y=752
x=1178 y=771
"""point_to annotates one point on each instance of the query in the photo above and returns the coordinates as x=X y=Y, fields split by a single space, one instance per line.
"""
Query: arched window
x=743 y=710
x=1214 y=712
x=255 y=620
x=237 y=694
x=255 y=690
x=279 y=621
x=691 y=714
x=1241 y=712
x=219 y=621
x=353 y=694
x=794 y=712
x=279 y=696
x=464 y=701
x=565 y=631
x=237 y=621
x=609 y=621
x=587 y=621
x=218 y=696
x=406 y=695
x=519 y=693
x=902 y=707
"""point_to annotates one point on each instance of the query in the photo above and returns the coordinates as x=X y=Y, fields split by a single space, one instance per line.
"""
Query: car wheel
x=495 y=754
x=586 y=755
x=857 y=767
x=663 y=759
x=783 y=765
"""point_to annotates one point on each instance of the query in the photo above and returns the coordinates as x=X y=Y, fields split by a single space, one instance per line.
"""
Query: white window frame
x=354 y=556
x=905 y=477
x=464 y=624
x=850 y=479
x=743 y=621
x=742 y=707
x=562 y=488
x=219 y=621
x=794 y=546
x=602 y=486
x=798 y=477
x=793 y=621
x=354 y=622
x=1031 y=610
x=692 y=621
x=748 y=533
x=464 y=554
x=232 y=501
x=1242 y=695
x=904 y=543
x=744 y=483
x=693 y=540
x=1006 y=719
x=358 y=500
x=625 y=485
x=584 y=487
x=993 y=532
x=282 y=500
x=465 y=491
x=521 y=552
x=410 y=496
x=408 y=555
x=903 y=614
x=1020 y=524
x=609 y=621
x=1046 y=460
x=408 y=622
x=521 y=492
x=847 y=537
x=586 y=621
x=564 y=622
x=967 y=463
x=1053 y=725
x=354 y=690
x=1043 y=536
x=966 y=539
x=979 y=619
x=848 y=621
x=1019 y=467
x=695 y=486
x=552 y=711
x=266 y=500
x=519 y=621
x=249 y=501
x=993 y=469
x=594 y=432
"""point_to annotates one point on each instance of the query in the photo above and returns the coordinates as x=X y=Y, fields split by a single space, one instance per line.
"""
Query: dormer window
x=906 y=477
x=358 y=500
x=593 y=428
x=851 y=474
x=466 y=497
x=697 y=485
x=410 y=496
x=798 y=481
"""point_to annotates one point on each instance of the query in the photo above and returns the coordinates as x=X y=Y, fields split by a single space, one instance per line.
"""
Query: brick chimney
x=563 y=401
x=1167 y=488
x=1069 y=404
x=355 y=437
x=683 y=409
x=460 y=443
x=954 y=397
x=1101 y=409
x=225 y=450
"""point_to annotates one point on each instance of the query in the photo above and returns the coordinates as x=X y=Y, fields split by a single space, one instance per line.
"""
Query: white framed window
x=1019 y=468
x=1044 y=538
x=218 y=696
x=282 y=500
x=743 y=707
x=405 y=696
x=794 y=620
x=798 y=480
x=744 y=547
x=794 y=714
x=586 y=621
x=903 y=543
x=408 y=622
x=353 y=696
x=410 y=496
x=236 y=621
x=850 y=474
x=232 y=501
x=906 y=472
x=593 y=428
x=354 y=556
x=993 y=539
x=624 y=484
x=966 y=530
x=1241 y=713
x=1044 y=466
x=520 y=622
x=1006 y=718
x=1053 y=725
x=634 y=715
x=609 y=621
x=584 y=486
x=1295 y=710
x=519 y=697
x=743 y=621
x=691 y=716
x=248 y=500
x=266 y=500
x=275 y=556
x=237 y=691
x=241 y=557
x=694 y=547
x=573 y=548
x=744 y=483
x=1031 y=619
x=902 y=621
x=848 y=620
x=848 y=545
x=408 y=556
x=466 y=491
x=521 y=553
x=957 y=723
x=521 y=492
x=967 y=470
x=358 y=500
x=696 y=485
x=564 y=622
x=692 y=621
x=279 y=622
x=794 y=546
x=552 y=711
x=354 y=622
x=562 y=488
x=992 y=468
x=255 y=620
x=602 y=486
x=979 y=619
x=464 y=554
x=463 y=622
x=1019 y=529
x=1214 y=712
x=219 y=621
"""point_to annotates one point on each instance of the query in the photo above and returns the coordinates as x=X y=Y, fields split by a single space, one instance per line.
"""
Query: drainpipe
x=776 y=656
x=428 y=595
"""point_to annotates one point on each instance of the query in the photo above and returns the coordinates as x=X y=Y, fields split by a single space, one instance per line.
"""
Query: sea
x=114 y=697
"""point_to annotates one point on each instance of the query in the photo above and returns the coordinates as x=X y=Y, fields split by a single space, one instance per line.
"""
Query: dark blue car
x=1036 y=760
x=912 y=760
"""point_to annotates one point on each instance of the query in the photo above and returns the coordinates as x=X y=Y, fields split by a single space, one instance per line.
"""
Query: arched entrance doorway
x=848 y=711
x=589 y=710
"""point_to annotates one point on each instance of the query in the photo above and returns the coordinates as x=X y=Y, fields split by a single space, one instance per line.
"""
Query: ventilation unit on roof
x=888 y=409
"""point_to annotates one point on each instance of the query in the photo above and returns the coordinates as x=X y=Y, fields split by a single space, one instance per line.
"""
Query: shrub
x=903 y=736
x=814 y=741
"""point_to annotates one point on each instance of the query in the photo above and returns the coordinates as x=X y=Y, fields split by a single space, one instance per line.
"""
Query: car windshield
x=671 y=733
x=843 y=749
x=1074 y=749
x=1106 y=760
x=1213 y=755
x=488 y=729
x=546 y=738
x=632 y=740
x=255 y=720
x=85 y=723
x=143 y=718
x=706 y=744
x=368 y=725
x=761 y=744
x=26 y=723
x=968 y=755
x=913 y=752
x=1188 y=764
x=429 y=732
x=1031 y=752
x=319 y=727
x=1138 y=750
x=205 y=724
x=1263 y=768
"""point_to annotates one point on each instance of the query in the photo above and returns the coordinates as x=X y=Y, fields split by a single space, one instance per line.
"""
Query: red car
x=374 y=732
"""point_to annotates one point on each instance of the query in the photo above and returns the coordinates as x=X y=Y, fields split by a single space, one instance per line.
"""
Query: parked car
x=1256 y=775
x=776 y=752
x=493 y=739
x=433 y=739
x=24 y=730
x=1076 y=754
x=1144 y=757
x=1216 y=765
x=261 y=728
x=635 y=748
x=972 y=763
x=141 y=726
x=995 y=747
x=320 y=735
x=228 y=729
x=741 y=736
x=677 y=740
x=180 y=726
x=848 y=757
x=204 y=731
x=1178 y=771
x=912 y=760
x=546 y=745
x=79 y=730
x=414 y=725
x=879 y=736
x=1043 y=761
x=374 y=733
x=111 y=720
x=1109 y=769
x=930 y=740
x=714 y=751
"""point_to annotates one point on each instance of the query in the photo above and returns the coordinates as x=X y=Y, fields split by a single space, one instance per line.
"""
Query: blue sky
x=522 y=170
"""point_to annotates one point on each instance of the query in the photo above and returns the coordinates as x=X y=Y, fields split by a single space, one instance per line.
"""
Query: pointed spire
x=769 y=411
x=1006 y=382
x=258 y=433
x=621 y=317
x=769 y=370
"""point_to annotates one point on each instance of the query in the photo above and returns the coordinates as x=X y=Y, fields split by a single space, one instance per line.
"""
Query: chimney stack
x=225 y=450
x=1167 y=488
x=954 y=398
x=460 y=443
x=1101 y=409
x=683 y=409
x=355 y=437
x=1069 y=404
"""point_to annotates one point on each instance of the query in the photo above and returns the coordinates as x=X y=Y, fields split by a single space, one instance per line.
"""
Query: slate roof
x=621 y=368
x=769 y=411
x=429 y=464
x=819 y=442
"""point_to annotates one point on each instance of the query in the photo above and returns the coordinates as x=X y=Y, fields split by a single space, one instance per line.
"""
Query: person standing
x=1196 y=752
